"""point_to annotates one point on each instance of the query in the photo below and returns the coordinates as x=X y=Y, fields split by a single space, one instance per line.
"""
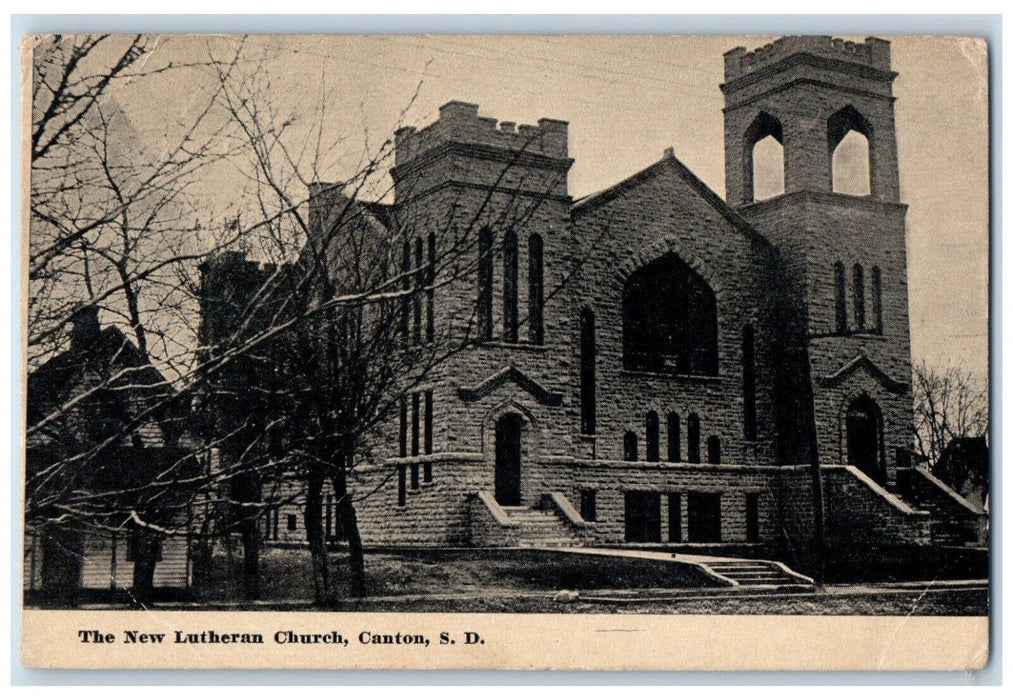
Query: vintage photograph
x=506 y=324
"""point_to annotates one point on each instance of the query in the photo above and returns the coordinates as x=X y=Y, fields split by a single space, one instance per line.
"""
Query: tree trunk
x=142 y=588
x=244 y=490
x=313 y=518
x=62 y=555
x=251 y=555
x=350 y=526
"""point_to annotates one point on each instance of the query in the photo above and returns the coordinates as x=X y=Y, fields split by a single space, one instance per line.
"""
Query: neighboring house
x=653 y=362
x=963 y=465
x=107 y=449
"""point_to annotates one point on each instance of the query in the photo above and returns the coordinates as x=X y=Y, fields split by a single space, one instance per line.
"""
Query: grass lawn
x=286 y=573
x=528 y=581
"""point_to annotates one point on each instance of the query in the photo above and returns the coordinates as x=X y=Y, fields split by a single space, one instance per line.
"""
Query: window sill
x=862 y=335
x=688 y=378
x=520 y=345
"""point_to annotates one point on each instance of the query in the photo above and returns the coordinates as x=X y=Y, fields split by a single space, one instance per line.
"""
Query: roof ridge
x=669 y=158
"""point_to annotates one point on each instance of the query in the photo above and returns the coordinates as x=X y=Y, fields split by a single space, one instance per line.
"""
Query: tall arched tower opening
x=839 y=224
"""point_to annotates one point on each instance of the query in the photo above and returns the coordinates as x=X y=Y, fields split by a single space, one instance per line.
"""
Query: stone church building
x=653 y=363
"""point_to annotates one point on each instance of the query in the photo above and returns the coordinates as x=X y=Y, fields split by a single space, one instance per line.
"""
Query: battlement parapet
x=234 y=264
x=459 y=122
x=873 y=52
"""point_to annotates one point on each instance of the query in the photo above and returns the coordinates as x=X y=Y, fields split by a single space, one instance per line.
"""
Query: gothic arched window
x=536 y=292
x=510 y=287
x=406 y=286
x=430 y=291
x=749 y=382
x=630 y=446
x=420 y=281
x=485 y=255
x=876 y=282
x=670 y=320
x=840 y=298
x=653 y=450
x=587 y=374
x=849 y=135
x=764 y=154
x=858 y=282
x=674 y=438
x=693 y=437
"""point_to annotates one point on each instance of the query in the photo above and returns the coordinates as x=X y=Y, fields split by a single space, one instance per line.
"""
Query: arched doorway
x=863 y=432
x=508 y=459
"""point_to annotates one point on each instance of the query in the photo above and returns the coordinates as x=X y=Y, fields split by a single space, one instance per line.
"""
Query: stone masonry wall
x=454 y=178
x=806 y=84
x=663 y=214
x=858 y=514
x=802 y=92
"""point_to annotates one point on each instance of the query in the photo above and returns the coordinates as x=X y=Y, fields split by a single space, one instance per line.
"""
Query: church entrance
x=863 y=428
x=508 y=460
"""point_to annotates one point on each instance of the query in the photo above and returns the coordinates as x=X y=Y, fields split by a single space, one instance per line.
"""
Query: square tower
x=484 y=206
x=844 y=250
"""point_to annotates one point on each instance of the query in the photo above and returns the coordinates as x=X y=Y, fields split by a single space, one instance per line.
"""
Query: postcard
x=506 y=352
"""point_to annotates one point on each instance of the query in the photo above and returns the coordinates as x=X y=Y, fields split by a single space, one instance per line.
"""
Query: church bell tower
x=828 y=105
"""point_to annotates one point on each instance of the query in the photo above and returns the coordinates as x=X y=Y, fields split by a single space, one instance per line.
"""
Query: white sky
x=627 y=98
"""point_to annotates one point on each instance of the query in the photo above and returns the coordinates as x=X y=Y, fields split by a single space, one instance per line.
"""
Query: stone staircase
x=539 y=528
x=955 y=521
x=755 y=572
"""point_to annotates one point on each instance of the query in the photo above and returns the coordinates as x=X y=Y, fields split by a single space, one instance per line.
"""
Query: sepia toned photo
x=459 y=351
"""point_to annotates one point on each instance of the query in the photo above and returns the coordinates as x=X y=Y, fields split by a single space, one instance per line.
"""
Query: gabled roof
x=510 y=374
x=107 y=353
x=863 y=363
x=669 y=162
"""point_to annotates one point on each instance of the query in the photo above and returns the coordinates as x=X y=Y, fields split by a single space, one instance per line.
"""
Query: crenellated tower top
x=872 y=53
x=459 y=122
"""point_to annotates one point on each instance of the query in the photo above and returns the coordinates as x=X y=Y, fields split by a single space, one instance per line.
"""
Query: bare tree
x=951 y=404
x=332 y=333
x=111 y=225
x=301 y=368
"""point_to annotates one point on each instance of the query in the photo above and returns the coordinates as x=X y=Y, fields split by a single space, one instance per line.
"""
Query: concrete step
x=539 y=528
x=748 y=572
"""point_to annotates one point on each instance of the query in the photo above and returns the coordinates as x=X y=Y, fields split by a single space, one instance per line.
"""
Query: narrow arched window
x=630 y=446
x=485 y=255
x=841 y=297
x=420 y=282
x=693 y=437
x=653 y=440
x=858 y=282
x=714 y=450
x=510 y=287
x=749 y=382
x=674 y=438
x=587 y=373
x=536 y=291
x=406 y=287
x=427 y=437
x=877 y=300
x=430 y=291
x=403 y=426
